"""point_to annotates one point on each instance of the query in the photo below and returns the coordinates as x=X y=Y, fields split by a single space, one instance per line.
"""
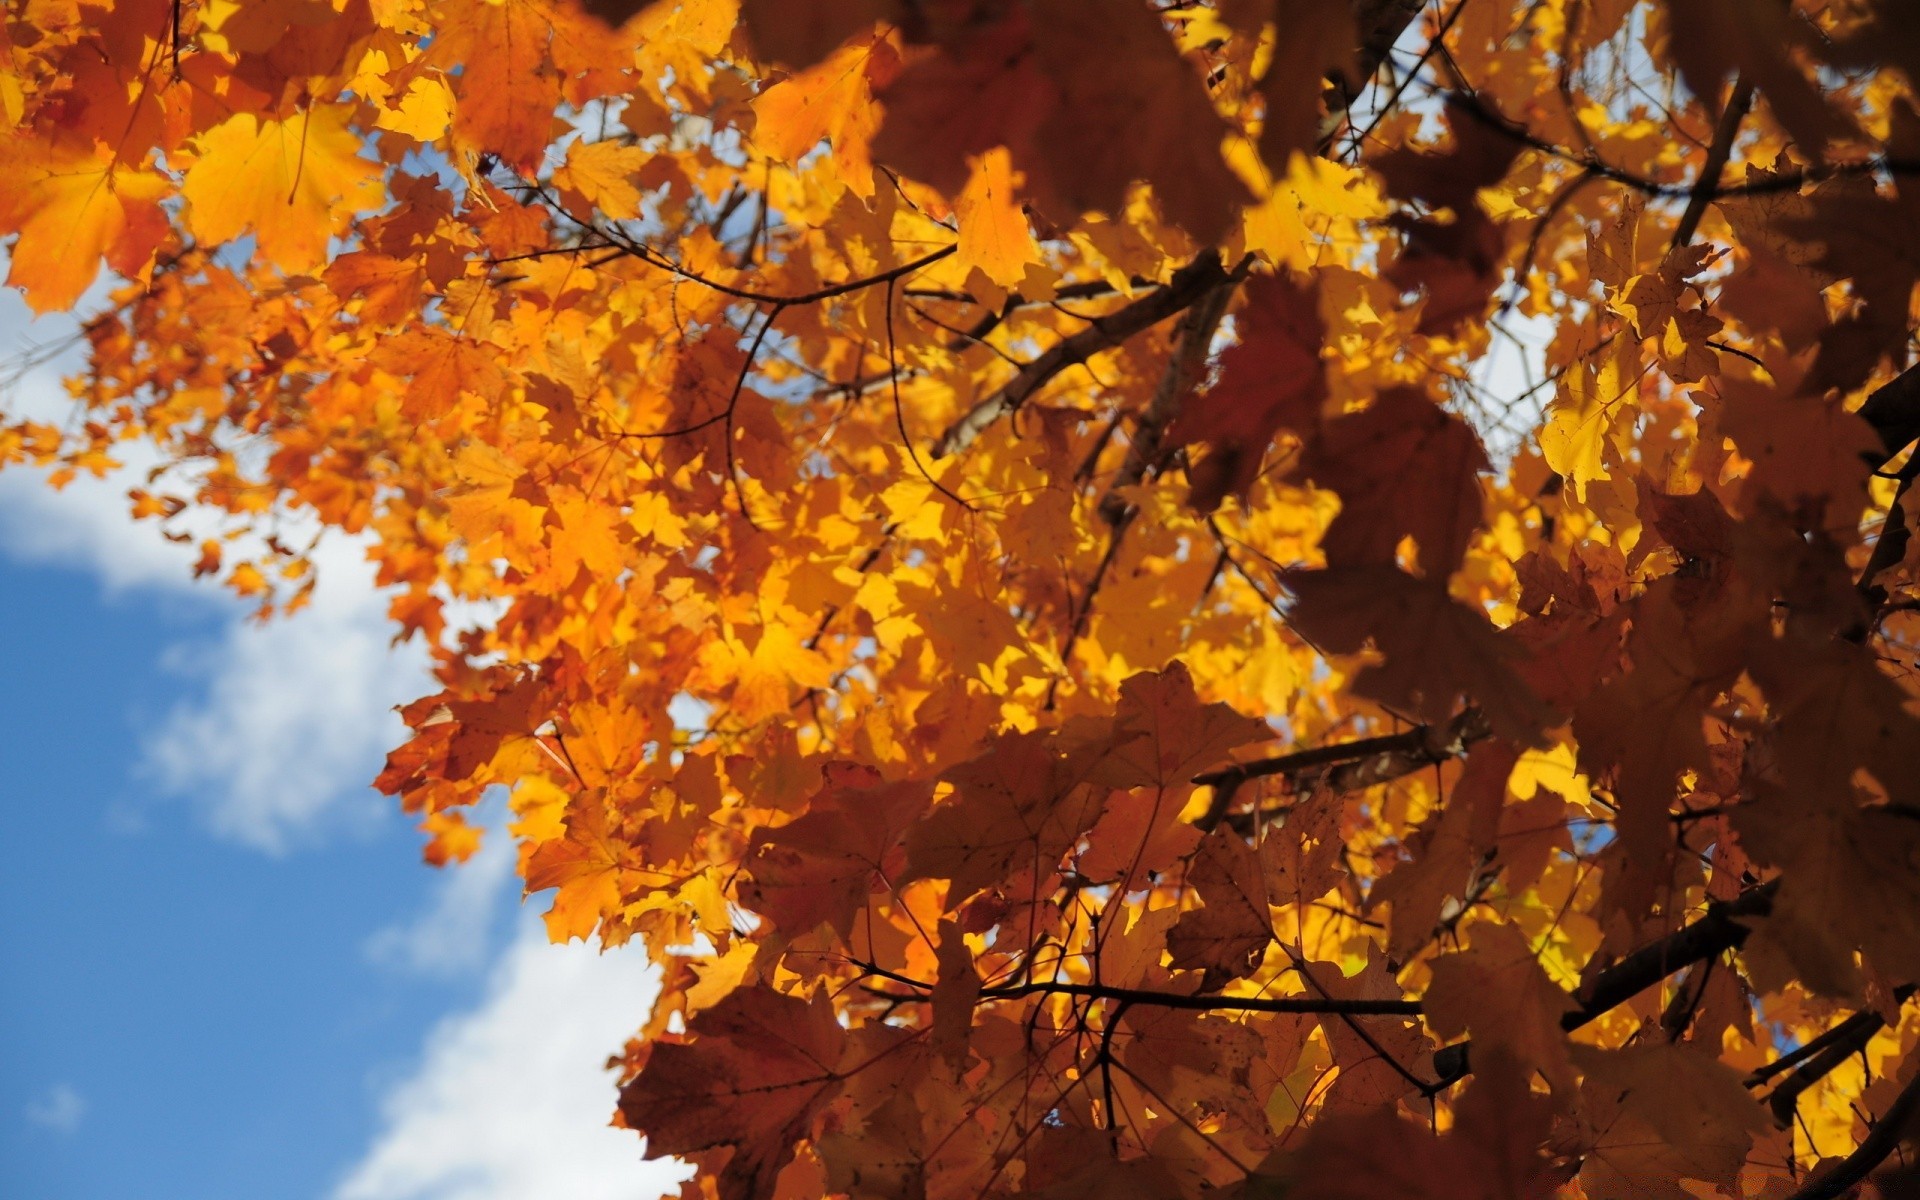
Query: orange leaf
x=73 y=204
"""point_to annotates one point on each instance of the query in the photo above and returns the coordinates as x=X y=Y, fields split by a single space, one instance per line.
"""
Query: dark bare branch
x=1188 y=284
x=1874 y=1149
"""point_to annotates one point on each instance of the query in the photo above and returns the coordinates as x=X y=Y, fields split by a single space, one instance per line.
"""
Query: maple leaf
x=1713 y=38
x=1271 y=380
x=800 y=33
x=821 y=866
x=1492 y=1152
x=1317 y=44
x=292 y=182
x=1164 y=735
x=1497 y=992
x=1020 y=806
x=1373 y=1053
x=1451 y=853
x=1228 y=934
x=1051 y=82
x=1404 y=468
x=584 y=865
x=72 y=204
x=763 y=1065
x=1654 y=1115
x=832 y=100
x=1455 y=262
x=953 y=996
x=603 y=173
x=1437 y=650
x=995 y=237
x=1647 y=724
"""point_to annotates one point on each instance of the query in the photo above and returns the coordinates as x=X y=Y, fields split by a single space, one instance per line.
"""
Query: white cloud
x=297 y=714
x=60 y=1109
x=451 y=936
x=294 y=715
x=511 y=1100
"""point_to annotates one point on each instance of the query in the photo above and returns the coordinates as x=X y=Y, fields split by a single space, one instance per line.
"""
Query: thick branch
x=1184 y=367
x=1325 y=1005
x=1821 y=1055
x=1873 y=1149
x=1366 y=761
x=1716 y=932
x=1152 y=999
x=1717 y=154
x=1188 y=284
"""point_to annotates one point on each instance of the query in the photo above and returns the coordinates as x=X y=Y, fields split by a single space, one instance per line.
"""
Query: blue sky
x=224 y=970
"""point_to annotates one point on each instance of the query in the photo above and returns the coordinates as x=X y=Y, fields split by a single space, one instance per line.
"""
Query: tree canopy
x=1287 y=598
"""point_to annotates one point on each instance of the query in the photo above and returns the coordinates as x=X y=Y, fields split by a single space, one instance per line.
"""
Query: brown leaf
x=799 y=33
x=1317 y=40
x=821 y=867
x=1166 y=736
x=1052 y=81
x=1270 y=380
x=1450 y=853
x=1656 y=1114
x=1496 y=992
x=1020 y=806
x=1227 y=936
x=954 y=994
x=1711 y=39
x=1404 y=468
x=1492 y=1152
x=1437 y=650
x=760 y=1067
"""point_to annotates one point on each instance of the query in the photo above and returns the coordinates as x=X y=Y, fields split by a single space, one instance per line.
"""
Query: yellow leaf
x=424 y=112
x=603 y=173
x=994 y=235
x=294 y=183
x=1574 y=439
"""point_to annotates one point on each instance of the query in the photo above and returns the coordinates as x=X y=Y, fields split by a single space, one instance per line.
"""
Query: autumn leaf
x=1403 y=468
x=1496 y=992
x=584 y=866
x=290 y=182
x=1452 y=854
x=73 y=206
x=832 y=100
x=1270 y=381
x=994 y=235
x=763 y=1066
x=1018 y=807
x=1228 y=934
x=1657 y=1114
x=1491 y=1152
x=821 y=866
x=1437 y=651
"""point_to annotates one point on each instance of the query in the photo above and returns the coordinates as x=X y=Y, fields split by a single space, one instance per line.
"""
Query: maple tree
x=991 y=536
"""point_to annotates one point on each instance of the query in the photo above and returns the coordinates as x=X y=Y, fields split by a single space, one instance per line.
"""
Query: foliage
x=992 y=536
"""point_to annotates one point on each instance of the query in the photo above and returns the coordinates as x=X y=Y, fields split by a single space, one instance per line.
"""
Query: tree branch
x=1873 y=1149
x=1717 y=154
x=1365 y=761
x=1822 y=1055
x=1322 y=1005
x=1188 y=284
x=1716 y=932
